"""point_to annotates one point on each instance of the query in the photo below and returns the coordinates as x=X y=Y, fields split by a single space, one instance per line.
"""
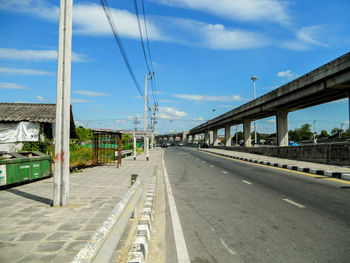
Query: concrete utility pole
x=61 y=180
x=145 y=142
x=135 y=123
x=153 y=122
x=254 y=78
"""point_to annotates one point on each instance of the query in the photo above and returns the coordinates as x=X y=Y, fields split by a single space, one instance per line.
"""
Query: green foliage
x=80 y=156
x=324 y=134
x=126 y=138
x=301 y=134
x=83 y=135
x=42 y=146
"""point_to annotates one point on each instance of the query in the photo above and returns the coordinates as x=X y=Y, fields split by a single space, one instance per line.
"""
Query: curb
x=139 y=249
x=339 y=175
x=102 y=242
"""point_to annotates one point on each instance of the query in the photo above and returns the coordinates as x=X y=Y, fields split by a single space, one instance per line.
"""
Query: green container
x=24 y=167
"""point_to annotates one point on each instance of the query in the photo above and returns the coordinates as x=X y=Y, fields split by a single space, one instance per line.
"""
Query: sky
x=203 y=52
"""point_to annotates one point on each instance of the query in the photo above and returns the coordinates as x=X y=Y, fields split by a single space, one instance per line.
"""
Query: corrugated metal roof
x=33 y=112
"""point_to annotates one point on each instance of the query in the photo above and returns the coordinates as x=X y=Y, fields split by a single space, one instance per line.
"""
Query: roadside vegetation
x=80 y=147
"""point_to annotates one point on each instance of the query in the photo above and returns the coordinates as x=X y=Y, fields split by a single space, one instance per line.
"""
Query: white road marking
x=225 y=246
x=246 y=182
x=224 y=172
x=197 y=159
x=203 y=162
x=212 y=166
x=181 y=249
x=212 y=229
x=294 y=203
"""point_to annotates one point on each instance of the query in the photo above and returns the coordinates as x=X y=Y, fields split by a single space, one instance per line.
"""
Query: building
x=27 y=122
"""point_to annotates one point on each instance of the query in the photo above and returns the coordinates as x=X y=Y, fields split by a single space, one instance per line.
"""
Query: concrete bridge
x=325 y=84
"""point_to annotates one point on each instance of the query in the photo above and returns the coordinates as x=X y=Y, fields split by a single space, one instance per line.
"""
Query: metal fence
x=107 y=147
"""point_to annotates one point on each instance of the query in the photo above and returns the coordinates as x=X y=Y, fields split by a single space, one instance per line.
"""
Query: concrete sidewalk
x=308 y=167
x=33 y=231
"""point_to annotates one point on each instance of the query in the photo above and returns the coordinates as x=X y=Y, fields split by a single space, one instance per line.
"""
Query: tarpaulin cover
x=23 y=131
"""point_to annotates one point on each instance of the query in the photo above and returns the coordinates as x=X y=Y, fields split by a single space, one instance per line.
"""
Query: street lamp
x=254 y=78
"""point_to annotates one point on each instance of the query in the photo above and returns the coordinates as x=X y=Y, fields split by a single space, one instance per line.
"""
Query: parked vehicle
x=204 y=145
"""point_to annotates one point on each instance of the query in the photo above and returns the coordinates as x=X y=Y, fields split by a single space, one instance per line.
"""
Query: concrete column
x=282 y=128
x=246 y=133
x=228 y=138
x=184 y=137
x=206 y=137
x=215 y=137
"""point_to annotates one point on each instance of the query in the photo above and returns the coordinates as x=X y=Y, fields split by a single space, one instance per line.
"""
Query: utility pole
x=254 y=78
x=153 y=122
x=61 y=179
x=145 y=142
x=237 y=135
x=135 y=123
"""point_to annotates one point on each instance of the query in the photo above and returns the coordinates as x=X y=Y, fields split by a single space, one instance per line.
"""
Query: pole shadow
x=36 y=198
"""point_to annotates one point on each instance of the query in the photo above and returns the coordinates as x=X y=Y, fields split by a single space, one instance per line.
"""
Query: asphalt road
x=232 y=211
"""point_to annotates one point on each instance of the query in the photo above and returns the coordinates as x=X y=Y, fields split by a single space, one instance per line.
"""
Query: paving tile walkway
x=33 y=231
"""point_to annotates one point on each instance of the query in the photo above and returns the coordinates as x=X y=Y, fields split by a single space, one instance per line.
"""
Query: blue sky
x=204 y=53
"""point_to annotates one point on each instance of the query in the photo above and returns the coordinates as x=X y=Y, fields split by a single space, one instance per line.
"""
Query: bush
x=80 y=156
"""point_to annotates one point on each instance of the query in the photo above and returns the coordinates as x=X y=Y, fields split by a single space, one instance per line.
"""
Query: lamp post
x=254 y=78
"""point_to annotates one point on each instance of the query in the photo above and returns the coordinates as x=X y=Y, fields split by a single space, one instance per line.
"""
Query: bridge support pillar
x=228 y=138
x=207 y=137
x=246 y=133
x=282 y=128
x=184 y=137
x=215 y=137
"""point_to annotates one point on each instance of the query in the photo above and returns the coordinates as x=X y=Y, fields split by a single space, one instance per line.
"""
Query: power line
x=141 y=37
x=149 y=50
x=107 y=11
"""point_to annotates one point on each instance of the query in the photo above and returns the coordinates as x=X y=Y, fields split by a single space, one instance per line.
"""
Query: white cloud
x=287 y=74
x=79 y=101
x=7 y=85
x=196 y=97
x=241 y=10
x=170 y=113
x=306 y=37
x=168 y=101
x=213 y=36
x=90 y=93
x=17 y=71
x=40 y=98
x=225 y=106
x=198 y=119
x=89 y=19
x=271 y=120
x=38 y=8
x=35 y=55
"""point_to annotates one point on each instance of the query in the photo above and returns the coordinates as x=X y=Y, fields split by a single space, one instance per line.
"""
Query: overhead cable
x=108 y=14
x=141 y=37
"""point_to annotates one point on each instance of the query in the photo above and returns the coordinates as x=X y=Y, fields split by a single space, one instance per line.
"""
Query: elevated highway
x=327 y=83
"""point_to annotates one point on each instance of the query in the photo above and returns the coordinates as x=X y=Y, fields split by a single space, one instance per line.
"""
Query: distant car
x=164 y=145
x=204 y=145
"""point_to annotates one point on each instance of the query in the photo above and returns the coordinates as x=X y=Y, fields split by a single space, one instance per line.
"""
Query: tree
x=336 y=132
x=83 y=135
x=324 y=134
x=301 y=134
x=126 y=138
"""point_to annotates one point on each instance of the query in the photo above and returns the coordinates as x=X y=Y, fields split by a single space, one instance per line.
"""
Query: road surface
x=233 y=211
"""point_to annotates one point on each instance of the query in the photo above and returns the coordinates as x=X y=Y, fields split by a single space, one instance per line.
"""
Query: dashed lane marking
x=294 y=203
x=246 y=182
x=212 y=166
x=224 y=172
x=225 y=246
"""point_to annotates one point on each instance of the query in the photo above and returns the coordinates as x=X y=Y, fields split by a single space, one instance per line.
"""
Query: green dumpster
x=23 y=167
